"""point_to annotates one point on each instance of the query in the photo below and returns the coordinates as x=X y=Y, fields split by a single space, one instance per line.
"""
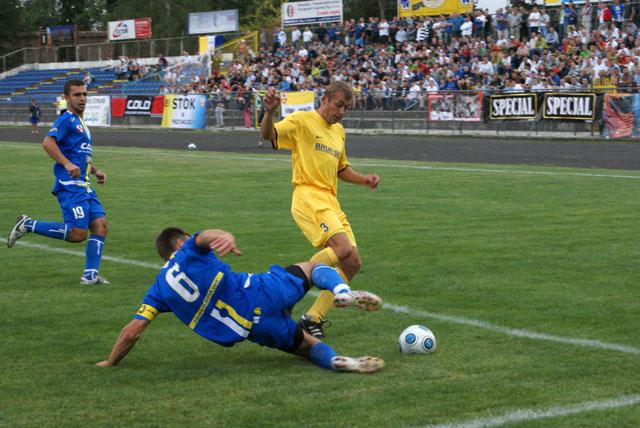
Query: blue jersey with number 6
x=204 y=293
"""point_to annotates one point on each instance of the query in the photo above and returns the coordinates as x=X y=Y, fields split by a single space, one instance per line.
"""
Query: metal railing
x=398 y=117
x=148 y=48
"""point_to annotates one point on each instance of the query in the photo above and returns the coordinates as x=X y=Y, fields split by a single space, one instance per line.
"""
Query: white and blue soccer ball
x=191 y=146
x=417 y=339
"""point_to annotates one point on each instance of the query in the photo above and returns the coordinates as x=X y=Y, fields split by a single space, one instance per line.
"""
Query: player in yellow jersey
x=317 y=143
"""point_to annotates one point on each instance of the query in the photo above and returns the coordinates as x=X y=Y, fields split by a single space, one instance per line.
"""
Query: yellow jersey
x=317 y=149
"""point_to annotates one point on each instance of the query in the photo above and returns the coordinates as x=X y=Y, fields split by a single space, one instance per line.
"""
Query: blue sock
x=50 y=229
x=321 y=354
x=327 y=278
x=95 y=244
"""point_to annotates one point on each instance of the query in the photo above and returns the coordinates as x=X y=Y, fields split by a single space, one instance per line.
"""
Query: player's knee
x=99 y=227
x=343 y=252
x=356 y=264
x=352 y=265
x=77 y=235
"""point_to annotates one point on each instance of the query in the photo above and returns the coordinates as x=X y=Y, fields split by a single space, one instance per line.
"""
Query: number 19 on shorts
x=78 y=212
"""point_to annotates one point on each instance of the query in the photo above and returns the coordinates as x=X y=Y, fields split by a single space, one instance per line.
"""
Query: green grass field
x=528 y=276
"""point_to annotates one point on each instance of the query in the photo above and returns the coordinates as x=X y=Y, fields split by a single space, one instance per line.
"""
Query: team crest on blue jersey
x=80 y=128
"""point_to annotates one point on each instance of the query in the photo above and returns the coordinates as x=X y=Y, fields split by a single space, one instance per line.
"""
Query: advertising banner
x=292 y=102
x=97 y=111
x=513 y=106
x=569 y=106
x=461 y=107
x=409 y=8
x=441 y=107
x=138 y=105
x=621 y=115
x=129 y=29
x=208 y=44
x=158 y=105
x=311 y=12
x=117 y=106
x=219 y=21
x=184 y=111
x=562 y=2
x=61 y=35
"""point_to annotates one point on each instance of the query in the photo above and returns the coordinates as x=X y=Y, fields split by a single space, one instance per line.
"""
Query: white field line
x=365 y=163
x=586 y=343
x=82 y=254
x=523 y=415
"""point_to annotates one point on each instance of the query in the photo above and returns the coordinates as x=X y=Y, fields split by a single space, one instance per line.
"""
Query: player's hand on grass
x=225 y=244
x=372 y=181
x=271 y=100
x=100 y=175
x=73 y=170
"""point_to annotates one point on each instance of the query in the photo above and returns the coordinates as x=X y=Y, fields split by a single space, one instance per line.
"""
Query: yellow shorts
x=318 y=215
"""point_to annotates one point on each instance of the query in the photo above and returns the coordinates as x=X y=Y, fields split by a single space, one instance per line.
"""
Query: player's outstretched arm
x=126 y=341
x=220 y=241
x=350 y=175
x=51 y=147
x=270 y=102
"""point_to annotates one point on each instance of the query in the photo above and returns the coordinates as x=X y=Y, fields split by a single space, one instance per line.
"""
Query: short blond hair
x=339 y=86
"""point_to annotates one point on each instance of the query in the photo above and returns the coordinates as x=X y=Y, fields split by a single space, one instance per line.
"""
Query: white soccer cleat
x=98 y=280
x=361 y=299
x=357 y=365
x=18 y=230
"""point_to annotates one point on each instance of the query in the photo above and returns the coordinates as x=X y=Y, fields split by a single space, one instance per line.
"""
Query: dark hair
x=70 y=83
x=166 y=241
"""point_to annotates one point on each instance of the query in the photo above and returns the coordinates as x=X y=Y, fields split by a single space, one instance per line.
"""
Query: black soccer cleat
x=312 y=327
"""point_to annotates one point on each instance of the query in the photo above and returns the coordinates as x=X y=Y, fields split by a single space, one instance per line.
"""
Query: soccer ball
x=192 y=146
x=417 y=339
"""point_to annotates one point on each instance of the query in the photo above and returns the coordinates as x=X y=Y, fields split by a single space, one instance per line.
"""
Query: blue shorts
x=79 y=209
x=34 y=120
x=276 y=293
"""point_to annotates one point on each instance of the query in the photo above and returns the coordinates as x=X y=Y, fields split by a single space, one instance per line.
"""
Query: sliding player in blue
x=68 y=143
x=227 y=307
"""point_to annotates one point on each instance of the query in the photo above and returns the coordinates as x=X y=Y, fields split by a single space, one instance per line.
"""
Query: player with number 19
x=69 y=144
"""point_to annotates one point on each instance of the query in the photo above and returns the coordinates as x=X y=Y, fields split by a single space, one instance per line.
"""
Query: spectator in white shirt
x=282 y=38
x=466 y=29
x=534 y=20
x=401 y=35
x=383 y=31
x=295 y=38
x=307 y=37
x=485 y=66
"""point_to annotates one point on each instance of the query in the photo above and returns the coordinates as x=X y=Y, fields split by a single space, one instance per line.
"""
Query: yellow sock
x=326 y=256
x=324 y=302
x=321 y=306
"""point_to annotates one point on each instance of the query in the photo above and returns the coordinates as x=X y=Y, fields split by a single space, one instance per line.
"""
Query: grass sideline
x=549 y=253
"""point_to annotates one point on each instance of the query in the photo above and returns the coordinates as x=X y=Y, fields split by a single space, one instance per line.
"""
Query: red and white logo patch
x=80 y=128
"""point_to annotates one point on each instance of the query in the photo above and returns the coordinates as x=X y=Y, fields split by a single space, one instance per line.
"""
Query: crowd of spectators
x=131 y=69
x=392 y=64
